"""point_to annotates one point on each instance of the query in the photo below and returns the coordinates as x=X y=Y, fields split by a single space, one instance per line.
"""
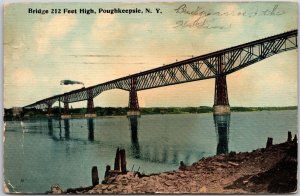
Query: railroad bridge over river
x=213 y=65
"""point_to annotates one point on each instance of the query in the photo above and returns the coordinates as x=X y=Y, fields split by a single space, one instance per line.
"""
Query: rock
x=215 y=175
x=107 y=191
x=218 y=164
x=104 y=186
x=193 y=186
x=203 y=190
x=219 y=169
x=232 y=153
x=168 y=183
x=150 y=187
x=232 y=163
x=55 y=189
x=129 y=174
x=171 y=177
x=110 y=187
x=182 y=166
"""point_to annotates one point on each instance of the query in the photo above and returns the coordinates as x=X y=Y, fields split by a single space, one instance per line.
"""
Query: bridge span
x=213 y=65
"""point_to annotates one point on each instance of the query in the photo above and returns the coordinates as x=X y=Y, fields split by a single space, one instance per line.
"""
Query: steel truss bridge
x=213 y=65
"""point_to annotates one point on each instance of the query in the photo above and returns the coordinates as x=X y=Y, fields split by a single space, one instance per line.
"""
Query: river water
x=39 y=153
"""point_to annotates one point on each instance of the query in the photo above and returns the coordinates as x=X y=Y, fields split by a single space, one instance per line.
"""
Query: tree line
x=121 y=111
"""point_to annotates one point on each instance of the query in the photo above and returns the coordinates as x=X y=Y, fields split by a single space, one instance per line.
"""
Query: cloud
x=107 y=28
x=110 y=27
x=14 y=48
x=23 y=76
x=235 y=20
x=150 y=41
x=55 y=29
x=77 y=45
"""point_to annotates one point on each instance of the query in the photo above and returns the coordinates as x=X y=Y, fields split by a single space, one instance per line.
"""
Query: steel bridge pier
x=221 y=103
x=90 y=113
x=49 y=109
x=221 y=108
x=133 y=105
x=66 y=114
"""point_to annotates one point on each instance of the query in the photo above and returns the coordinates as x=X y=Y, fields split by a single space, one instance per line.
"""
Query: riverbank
x=32 y=114
x=267 y=170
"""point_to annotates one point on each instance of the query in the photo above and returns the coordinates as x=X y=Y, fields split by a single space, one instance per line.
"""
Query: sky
x=41 y=50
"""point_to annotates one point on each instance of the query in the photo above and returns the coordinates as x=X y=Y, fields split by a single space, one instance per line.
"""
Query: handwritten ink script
x=201 y=18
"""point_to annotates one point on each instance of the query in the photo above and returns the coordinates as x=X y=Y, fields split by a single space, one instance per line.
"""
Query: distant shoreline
x=122 y=111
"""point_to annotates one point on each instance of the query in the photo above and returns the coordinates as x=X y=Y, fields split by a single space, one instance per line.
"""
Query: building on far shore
x=16 y=111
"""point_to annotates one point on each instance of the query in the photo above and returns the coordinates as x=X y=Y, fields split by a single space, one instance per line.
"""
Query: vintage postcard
x=152 y=97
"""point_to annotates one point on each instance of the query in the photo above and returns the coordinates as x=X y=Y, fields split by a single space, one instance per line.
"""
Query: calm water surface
x=39 y=153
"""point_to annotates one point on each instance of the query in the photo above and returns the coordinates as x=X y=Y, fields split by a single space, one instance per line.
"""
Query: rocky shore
x=268 y=170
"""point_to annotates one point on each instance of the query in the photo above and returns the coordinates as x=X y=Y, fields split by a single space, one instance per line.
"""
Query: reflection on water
x=67 y=128
x=59 y=123
x=153 y=143
x=50 y=127
x=153 y=153
x=135 y=146
x=51 y=130
x=222 y=129
x=90 y=124
x=222 y=123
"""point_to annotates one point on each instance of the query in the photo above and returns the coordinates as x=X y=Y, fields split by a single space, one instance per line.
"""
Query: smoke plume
x=70 y=82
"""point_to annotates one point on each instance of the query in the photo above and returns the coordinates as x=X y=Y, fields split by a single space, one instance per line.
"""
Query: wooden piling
x=295 y=138
x=95 y=178
x=117 y=161
x=123 y=161
x=182 y=166
x=120 y=161
x=269 y=142
x=107 y=171
x=289 y=136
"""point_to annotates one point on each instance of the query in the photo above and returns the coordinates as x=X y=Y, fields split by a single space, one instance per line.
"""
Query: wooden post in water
x=107 y=171
x=182 y=166
x=95 y=178
x=120 y=161
x=289 y=136
x=269 y=142
x=295 y=138
x=117 y=160
x=123 y=161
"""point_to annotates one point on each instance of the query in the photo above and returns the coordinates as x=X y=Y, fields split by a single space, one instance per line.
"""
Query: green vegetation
x=121 y=111
x=254 y=109
x=176 y=110
x=207 y=109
